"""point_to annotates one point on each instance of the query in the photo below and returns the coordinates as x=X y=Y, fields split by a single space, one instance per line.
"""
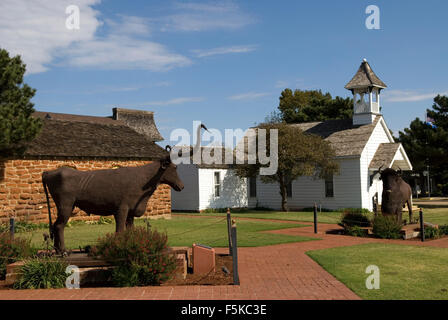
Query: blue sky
x=224 y=62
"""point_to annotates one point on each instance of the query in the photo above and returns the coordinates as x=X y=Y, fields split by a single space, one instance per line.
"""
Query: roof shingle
x=365 y=77
x=66 y=135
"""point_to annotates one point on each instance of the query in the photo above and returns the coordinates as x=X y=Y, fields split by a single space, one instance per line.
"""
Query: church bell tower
x=365 y=87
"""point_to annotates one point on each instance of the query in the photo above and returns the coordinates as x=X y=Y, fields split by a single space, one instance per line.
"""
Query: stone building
x=86 y=143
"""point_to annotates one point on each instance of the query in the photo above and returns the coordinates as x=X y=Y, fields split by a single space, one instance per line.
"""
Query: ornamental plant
x=12 y=251
x=386 y=227
x=140 y=256
x=42 y=273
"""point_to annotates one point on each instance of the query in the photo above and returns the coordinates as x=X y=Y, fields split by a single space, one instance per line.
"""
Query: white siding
x=306 y=191
x=188 y=198
x=379 y=135
x=233 y=190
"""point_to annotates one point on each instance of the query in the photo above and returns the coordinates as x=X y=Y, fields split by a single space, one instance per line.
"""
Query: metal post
x=315 y=218
x=236 y=278
x=229 y=233
x=11 y=228
x=422 y=226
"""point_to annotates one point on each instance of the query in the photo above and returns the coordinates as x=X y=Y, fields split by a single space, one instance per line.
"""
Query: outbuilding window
x=217 y=184
x=253 y=187
x=329 y=187
x=289 y=189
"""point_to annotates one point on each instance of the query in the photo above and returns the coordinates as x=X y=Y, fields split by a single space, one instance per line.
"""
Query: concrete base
x=96 y=271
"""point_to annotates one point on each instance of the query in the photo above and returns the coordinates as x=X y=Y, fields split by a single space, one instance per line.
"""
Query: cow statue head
x=170 y=176
x=390 y=178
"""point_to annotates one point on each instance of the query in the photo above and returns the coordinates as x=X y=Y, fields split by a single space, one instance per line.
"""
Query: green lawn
x=406 y=272
x=324 y=217
x=184 y=231
x=434 y=215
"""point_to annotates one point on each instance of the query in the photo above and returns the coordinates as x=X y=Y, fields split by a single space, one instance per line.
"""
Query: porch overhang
x=390 y=155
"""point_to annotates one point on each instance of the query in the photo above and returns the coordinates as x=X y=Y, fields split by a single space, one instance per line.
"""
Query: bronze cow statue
x=123 y=192
x=396 y=193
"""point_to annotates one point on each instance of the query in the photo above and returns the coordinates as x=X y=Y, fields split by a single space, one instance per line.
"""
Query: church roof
x=365 y=77
x=384 y=155
x=346 y=139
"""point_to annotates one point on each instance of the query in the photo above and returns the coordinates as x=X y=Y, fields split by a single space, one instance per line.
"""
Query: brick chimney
x=139 y=120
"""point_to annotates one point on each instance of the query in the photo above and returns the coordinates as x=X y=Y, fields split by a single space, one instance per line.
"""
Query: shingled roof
x=384 y=155
x=345 y=138
x=365 y=77
x=65 y=135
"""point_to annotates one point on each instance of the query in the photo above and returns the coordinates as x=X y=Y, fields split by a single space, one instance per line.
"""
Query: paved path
x=272 y=272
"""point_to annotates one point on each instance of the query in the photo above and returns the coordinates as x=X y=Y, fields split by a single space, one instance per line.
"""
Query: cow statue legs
x=129 y=221
x=64 y=214
x=409 y=202
x=121 y=219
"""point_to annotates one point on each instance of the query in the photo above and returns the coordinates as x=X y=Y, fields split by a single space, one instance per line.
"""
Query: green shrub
x=24 y=226
x=74 y=223
x=350 y=219
x=431 y=232
x=42 y=273
x=355 y=231
x=141 y=256
x=13 y=250
x=386 y=227
x=443 y=229
x=3 y=228
x=355 y=210
x=311 y=209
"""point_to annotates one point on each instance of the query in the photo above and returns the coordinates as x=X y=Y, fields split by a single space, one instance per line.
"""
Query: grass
x=433 y=215
x=406 y=272
x=323 y=217
x=183 y=231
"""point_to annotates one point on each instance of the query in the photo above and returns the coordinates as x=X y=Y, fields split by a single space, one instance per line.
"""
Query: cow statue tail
x=48 y=205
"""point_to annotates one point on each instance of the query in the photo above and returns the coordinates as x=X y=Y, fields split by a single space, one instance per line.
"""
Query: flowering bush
x=141 y=256
x=12 y=250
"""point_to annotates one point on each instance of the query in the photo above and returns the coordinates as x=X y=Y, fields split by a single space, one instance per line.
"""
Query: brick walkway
x=273 y=272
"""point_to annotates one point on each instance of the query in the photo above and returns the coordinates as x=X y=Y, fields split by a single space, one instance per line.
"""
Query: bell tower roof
x=365 y=77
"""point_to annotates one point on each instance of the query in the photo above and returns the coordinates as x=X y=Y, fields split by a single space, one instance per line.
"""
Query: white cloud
x=200 y=53
x=36 y=30
x=174 y=101
x=249 y=96
x=123 y=52
x=281 y=84
x=409 y=95
x=198 y=16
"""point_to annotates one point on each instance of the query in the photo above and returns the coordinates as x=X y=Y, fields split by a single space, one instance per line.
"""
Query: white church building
x=362 y=144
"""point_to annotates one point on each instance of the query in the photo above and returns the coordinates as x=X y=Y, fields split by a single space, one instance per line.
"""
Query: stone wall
x=22 y=195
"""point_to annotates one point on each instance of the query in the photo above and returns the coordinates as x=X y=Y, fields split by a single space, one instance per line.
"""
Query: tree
x=427 y=145
x=17 y=126
x=312 y=105
x=299 y=154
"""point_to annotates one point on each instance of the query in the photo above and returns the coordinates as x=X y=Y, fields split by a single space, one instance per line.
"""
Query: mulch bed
x=217 y=278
